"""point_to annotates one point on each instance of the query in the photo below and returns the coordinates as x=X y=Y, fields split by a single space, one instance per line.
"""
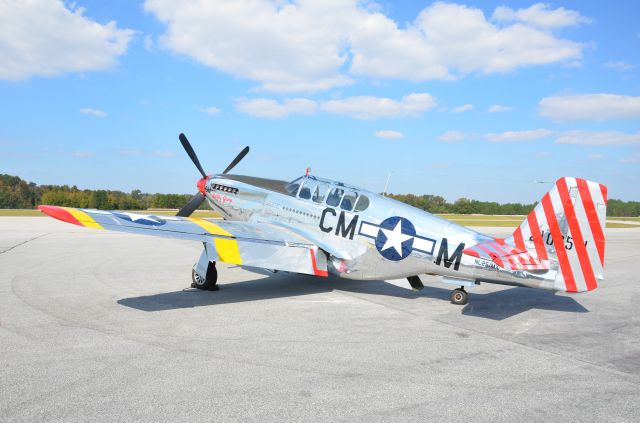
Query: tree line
x=16 y=193
x=437 y=204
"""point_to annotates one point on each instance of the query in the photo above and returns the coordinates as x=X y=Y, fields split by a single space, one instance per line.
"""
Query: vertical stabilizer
x=566 y=230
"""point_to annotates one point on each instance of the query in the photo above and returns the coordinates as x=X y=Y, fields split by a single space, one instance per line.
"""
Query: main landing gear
x=209 y=282
x=415 y=282
x=459 y=296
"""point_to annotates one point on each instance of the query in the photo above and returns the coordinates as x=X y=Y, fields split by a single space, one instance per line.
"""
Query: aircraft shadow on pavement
x=500 y=305
x=497 y=305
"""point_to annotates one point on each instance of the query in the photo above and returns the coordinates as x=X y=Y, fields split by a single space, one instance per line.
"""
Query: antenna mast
x=386 y=185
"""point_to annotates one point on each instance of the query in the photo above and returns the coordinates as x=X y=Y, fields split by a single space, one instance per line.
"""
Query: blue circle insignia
x=395 y=238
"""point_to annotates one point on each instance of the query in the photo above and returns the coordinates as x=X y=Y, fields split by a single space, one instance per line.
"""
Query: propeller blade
x=191 y=206
x=237 y=160
x=192 y=154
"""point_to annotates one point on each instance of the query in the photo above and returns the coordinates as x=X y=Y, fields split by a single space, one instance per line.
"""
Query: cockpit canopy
x=331 y=193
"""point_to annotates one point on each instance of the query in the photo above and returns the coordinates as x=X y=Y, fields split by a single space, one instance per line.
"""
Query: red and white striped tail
x=566 y=230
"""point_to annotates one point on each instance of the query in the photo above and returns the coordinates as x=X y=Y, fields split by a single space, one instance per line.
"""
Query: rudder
x=571 y=215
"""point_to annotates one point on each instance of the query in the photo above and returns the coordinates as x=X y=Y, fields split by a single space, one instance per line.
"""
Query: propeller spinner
x=199 y=197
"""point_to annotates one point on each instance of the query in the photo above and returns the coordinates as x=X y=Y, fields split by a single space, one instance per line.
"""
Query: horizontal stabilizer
x=506 y=256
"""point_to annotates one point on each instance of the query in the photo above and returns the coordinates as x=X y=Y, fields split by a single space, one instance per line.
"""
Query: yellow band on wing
x=228 y=250
x=83 y=218
x=212 y=228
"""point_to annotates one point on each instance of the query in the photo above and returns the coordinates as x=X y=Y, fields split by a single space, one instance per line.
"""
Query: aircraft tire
x=459 y=296
x=211 y=280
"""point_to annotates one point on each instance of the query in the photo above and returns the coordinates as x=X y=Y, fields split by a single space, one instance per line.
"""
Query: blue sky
x=472 y=99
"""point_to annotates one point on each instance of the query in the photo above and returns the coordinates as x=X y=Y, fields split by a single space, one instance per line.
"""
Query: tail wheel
x=459 y=296
x=208 y=283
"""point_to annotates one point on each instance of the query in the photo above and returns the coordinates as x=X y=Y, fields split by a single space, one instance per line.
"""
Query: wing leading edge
x=241 y=243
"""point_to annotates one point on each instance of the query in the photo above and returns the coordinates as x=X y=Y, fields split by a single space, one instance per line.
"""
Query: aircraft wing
x=243 y=243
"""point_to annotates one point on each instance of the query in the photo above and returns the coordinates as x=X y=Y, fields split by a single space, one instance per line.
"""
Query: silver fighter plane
x=318 y=226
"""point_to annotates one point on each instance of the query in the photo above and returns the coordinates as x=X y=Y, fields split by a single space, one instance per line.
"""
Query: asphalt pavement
x=96 y=325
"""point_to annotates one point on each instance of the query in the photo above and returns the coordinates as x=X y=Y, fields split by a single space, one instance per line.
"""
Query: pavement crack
x=381 y=304
x=24 y=242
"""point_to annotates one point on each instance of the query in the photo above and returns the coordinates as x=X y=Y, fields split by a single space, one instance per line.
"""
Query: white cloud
x=450 y=40
x=633 y=158
x=370 y=107
x=540 y=15
x=164 y=154
x=497 y=108
x=438 y=165
x=389 y=135
x=590 y=107
x=93 y=112
x=512 y=136
x=287 y=47
x=131 y=152
x=45 y=38
x=211 y=111
x=541 y=155
x=464 y=108
x=148 y=43
x=598 y=138
x=83 y=154
x=268 y=108
x=312 y=45
x=619 y=66
x=452 y=136
x=596 y=157
x=138 y=152
x=359 y=107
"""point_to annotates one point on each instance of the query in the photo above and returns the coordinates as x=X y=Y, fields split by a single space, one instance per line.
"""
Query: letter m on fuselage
x=444 y=253
x=346 y=230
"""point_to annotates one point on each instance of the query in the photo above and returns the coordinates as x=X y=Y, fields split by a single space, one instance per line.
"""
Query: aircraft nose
x=202 y=182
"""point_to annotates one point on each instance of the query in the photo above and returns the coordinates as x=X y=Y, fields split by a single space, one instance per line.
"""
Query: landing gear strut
x=208 y=283
x=459 y=296
x=415 y=282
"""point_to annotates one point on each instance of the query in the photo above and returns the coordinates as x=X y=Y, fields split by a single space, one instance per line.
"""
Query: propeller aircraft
x=323 y=227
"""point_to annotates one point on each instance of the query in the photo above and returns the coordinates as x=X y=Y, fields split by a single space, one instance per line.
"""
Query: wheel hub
x=197 y=279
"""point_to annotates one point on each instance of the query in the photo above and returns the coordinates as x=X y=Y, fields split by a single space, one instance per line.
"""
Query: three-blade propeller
x=199 y=197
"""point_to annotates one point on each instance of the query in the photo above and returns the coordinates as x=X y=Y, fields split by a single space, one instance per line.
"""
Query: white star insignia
x=395 y=238
x=135 y=217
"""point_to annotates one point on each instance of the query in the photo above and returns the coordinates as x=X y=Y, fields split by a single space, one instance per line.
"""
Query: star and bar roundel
x=396 y=238
x=140 y=218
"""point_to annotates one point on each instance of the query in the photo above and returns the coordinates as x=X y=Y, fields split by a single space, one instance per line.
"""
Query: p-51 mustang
x=319 y=227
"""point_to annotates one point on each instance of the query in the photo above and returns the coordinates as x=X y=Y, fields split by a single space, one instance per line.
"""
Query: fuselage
x=357 y=228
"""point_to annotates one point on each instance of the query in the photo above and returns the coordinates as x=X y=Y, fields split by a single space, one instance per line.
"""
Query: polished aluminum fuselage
x=351 y=253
